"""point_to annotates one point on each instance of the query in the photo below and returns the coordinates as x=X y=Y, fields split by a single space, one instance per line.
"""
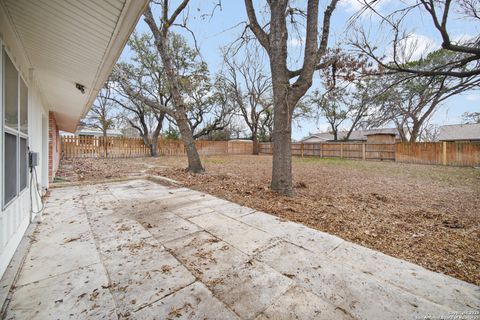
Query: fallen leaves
x=124 y=227
x=424 y=214
x=72 y=239
x=166 y=268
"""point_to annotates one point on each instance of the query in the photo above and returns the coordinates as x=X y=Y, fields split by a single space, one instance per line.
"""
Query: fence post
x=395 y=154
x=61 y=147
x=321 y=150
x=341 y=150
x=363 y=151
x=444 y=153
x=301 y=148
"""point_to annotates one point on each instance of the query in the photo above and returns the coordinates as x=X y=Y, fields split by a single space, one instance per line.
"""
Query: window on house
x=23 y=107
x=23 y=159
x=15 y=131
x=10 y=172
x=11 y=93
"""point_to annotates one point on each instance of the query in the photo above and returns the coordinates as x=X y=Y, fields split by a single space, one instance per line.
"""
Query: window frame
x=16 y=132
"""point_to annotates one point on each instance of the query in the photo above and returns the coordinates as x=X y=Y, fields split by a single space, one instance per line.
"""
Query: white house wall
x=15 y=218
x=56 y=45
x=37 y=110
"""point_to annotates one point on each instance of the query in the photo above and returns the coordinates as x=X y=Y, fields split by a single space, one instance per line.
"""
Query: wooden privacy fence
x=94 y=147
x=445 y=153
x=119 y=147
x=465 y=154
x=347 y=150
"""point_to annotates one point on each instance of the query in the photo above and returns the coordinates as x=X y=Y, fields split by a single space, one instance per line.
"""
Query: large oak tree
x=161 y=34
x=288 y=85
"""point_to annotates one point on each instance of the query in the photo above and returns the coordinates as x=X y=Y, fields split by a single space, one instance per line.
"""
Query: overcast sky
x=227 y=22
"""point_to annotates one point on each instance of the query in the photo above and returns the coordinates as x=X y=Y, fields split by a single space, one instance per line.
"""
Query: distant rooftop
x=456 y=132
x=93 y=132
x=358 y=135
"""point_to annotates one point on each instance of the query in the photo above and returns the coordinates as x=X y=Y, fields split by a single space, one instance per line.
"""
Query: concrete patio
x=140 y=250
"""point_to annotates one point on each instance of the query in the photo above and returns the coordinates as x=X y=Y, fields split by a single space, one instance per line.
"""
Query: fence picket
x=446 y=153
x=456 y=153
x=120 y=147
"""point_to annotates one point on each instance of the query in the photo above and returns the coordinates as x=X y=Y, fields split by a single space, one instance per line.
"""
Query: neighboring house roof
x=130 y=132
x=459 y=132
x=357 y=135
x=70 y=42
x=96 y=132
x=92 y=132
x=322 y=136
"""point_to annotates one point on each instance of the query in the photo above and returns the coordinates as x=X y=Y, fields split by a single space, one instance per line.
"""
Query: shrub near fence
x=465 y=154
x=119 y=147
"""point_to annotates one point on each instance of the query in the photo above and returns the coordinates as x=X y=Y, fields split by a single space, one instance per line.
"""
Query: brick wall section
x=53 y=146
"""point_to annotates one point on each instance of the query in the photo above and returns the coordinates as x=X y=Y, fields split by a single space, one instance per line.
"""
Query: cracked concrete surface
x=140 y=250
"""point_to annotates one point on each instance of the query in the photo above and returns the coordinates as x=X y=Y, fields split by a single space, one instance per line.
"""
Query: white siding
x=67 y=41
x=36 y=110
x=13 y=223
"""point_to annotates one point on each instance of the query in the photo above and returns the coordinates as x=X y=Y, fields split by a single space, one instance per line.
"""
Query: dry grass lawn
x=429 y=215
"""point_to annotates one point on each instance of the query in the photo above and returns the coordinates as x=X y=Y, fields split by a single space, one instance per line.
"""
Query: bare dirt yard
x=429 y=215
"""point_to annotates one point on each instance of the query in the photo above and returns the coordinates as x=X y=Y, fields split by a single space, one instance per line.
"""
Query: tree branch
x=261 y=35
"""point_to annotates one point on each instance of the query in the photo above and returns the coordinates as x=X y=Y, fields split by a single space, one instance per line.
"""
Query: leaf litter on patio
x=429 y=215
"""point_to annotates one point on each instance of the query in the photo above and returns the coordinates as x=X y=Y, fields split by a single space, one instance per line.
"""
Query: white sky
x=227 y=23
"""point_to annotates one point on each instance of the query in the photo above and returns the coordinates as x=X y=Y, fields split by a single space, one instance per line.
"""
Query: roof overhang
x=381 y=134
x=70 y=42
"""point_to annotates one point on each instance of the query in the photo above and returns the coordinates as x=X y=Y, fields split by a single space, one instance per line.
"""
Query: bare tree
x=146 y=120
x=103 y=113
x=140 y=89
x=333 y=107
x=249 y=88
x=273 y=38
x=345 y=94
x=161 y=34
x=409 y=104
x=143 y=78
x=360 y=101
x=471 y=117
x=429 y=133
x=265 y=133
x=465 y=52
x=208 y=110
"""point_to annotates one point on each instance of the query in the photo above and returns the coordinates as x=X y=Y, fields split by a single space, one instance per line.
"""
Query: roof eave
x=130 y=15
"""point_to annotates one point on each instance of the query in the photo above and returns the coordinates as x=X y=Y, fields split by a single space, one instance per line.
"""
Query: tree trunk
x=155 y=134
x=153 y=147
x=194 y=162
x=255 y=143
x=401 y=132
x=282 y=104
x=282 y=155
x=415 y=132
x=180 y=114
x=105 y=143
x=146 y=141
x=282 y=140
x=286 y=95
